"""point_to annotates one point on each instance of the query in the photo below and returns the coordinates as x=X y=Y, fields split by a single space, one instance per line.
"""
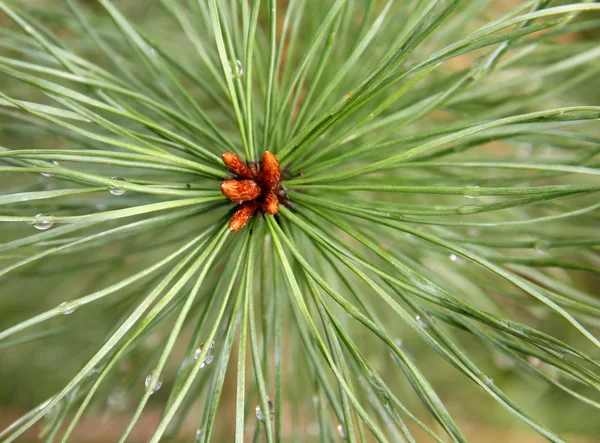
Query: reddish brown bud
x=240 y=190
x=271 y=204
x=242 y=215
x=270 y=171
x=236 y=165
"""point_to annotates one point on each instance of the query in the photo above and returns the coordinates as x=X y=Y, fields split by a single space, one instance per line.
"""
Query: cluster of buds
x=256 y=187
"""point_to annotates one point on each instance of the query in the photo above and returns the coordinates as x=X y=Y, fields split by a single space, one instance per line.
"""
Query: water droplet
x=53 y=411
x=117 y=189
x=101 y=206
x=467 y=209
x=70 y=395
x=421 y=321
x=542 y=246
x=555 y=353
x=210 y=355
x=489 y=380
x=515 y=329
x=92 y=372
x=399 y=342
x=315 y=401
x=457 y=259
x=534 y=361
x=66 y=308
x=198 y=434
x=341 y=431
x=472 y=191
x=259 y=414
x=239 y=70
x=157 y=384
x=48 y=174
x=43 y=222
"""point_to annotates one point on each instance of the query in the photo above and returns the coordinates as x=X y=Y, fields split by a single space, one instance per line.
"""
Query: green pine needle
x=433 y=265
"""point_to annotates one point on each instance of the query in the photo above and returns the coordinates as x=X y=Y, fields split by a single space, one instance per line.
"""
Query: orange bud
x=236 y=165
x=242 y=215
x=271 y=204
x=270 y=171
x=240 y=190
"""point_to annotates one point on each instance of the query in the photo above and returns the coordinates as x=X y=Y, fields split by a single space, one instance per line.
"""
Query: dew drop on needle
x=472 y=191
x=210 y=356
x=421 y=321
x=117 y=189
x=238 y=71
x=43 y=222
x=259 y=414
x=157 y=384
x=48 y=174
x=542 y=246
x=66 y=308
x=456 y=259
